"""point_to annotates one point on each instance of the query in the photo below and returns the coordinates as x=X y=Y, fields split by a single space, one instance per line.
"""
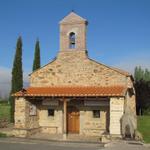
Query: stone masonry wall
x=23 y=119
x=20 y=112
x=74 y=68
x=51 y=124
x=79 y=30
x=130 y=97
x=90 y=126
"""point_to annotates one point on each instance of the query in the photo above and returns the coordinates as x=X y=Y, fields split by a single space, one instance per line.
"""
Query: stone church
x=73 y=93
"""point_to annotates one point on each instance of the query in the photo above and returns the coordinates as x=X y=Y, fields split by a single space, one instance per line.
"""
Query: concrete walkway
x=70 y=137
x=126 y=145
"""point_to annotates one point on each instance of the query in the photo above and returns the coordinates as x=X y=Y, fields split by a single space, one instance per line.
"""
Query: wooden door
x=73 y=120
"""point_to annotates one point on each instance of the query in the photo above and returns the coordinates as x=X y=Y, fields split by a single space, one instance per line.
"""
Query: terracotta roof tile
x=73 y=91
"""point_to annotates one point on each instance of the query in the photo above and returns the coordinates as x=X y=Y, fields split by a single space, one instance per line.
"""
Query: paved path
x=70 y=137
x=126 y=145
x=27 y=144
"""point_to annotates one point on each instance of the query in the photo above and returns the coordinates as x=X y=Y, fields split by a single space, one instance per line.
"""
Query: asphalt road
x=26 y=144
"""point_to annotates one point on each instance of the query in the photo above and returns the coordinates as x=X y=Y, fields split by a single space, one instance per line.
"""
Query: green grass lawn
x=144 y=127
x=5 y=111
x=4 y=114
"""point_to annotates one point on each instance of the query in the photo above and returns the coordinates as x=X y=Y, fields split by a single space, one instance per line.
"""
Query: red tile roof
x=73 y=91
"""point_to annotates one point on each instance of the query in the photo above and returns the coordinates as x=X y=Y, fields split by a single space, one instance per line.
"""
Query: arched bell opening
x=72 y=40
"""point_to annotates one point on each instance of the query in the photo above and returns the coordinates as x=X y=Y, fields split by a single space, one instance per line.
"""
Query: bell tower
x=73 y=33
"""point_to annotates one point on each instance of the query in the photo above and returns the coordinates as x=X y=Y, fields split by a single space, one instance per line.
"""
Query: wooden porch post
x=65 y=119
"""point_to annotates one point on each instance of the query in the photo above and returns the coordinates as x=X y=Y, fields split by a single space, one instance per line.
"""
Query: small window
x=51 y=112
x=96 y=113
x=72 y=39
x=32 y=110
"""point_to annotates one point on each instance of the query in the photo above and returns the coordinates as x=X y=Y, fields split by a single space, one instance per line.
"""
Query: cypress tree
x=36 y=61
x=141 y=73
x=136 y=73
x=17 y=75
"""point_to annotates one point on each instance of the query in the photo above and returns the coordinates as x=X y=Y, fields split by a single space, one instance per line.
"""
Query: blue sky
x=118 y=30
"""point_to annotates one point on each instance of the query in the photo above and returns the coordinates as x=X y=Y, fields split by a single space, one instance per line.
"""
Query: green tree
x=138 y=73
x=17 y=75
x=146 y=75
x=36 y=61
x=142 y=88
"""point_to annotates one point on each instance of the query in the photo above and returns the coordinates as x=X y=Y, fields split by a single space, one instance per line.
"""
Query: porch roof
x=70 y=91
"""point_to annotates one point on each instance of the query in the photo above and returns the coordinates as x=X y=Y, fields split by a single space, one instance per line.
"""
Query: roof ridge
x=113 y=68
x=66 y=18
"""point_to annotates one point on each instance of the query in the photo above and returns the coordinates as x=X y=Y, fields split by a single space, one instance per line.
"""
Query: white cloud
x=5 y=81
x=131 y=62
x=5 y=74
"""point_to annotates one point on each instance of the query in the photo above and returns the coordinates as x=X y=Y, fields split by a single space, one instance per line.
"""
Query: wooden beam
x=65 y=119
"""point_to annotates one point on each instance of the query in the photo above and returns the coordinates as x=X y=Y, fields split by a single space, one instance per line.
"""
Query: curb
x=59 y=140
